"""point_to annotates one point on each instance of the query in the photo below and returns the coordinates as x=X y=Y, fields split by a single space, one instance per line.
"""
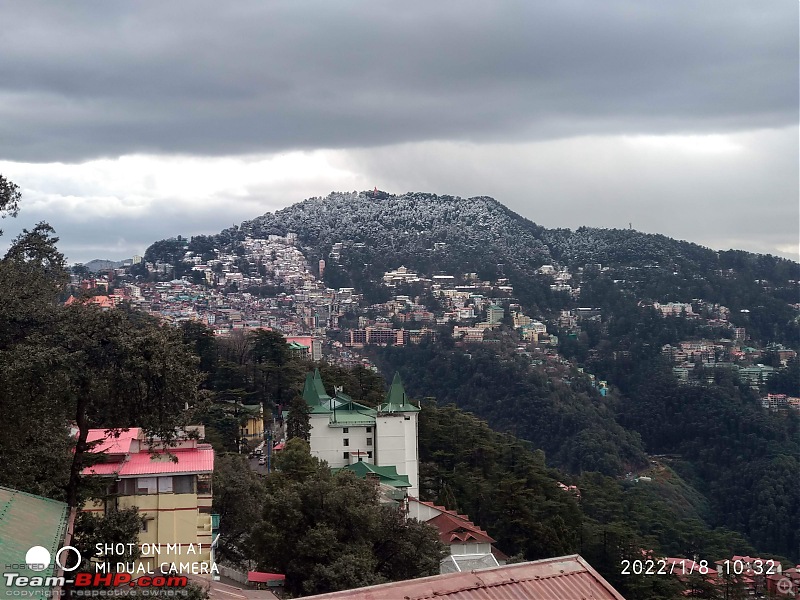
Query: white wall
x=421 y=512
x=397 y=446
x=472 y=548
x=327 y=443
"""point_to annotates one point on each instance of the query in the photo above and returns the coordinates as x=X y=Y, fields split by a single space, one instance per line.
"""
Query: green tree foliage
x=32 y=275
x=238 y=494
x=113 y=528
x=168 y=251
x=121 y=370
x=361 y=384
x=497 y=481
x=10 y=197
x=329 y=532
x=76 y=365
x=506 y=488
x=58 y=365
x=298 y=423
x=577 y=430
x=746 y=458
x=786 y=380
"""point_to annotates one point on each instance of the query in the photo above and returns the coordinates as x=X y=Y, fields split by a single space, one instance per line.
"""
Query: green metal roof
x=343 y=410
x=344 y=418
x=27 y=520
x=387 y=475
x=320 y=389
x=396 y=400
x=313 y=391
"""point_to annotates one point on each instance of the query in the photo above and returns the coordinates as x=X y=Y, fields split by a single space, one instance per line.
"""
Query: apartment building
x=172 y=490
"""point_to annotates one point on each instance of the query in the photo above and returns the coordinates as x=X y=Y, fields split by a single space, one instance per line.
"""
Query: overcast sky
x=128 y=122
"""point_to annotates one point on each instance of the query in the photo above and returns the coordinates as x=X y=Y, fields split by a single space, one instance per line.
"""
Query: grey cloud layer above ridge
x=95 y=79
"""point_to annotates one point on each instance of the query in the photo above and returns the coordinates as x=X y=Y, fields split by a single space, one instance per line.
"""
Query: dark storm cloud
x=91 y=79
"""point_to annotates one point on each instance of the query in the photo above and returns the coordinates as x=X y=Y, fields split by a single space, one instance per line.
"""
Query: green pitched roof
x=396 y=399
x=314 y=393
x=344 y=418
x=387 y=475
x=26 y=521
x=343 y=410
x=320 y=389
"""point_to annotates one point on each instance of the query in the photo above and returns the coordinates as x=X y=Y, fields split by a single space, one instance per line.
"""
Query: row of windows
x=346 y=442
x=347 y=430
x=177 y=484
x=346 y=455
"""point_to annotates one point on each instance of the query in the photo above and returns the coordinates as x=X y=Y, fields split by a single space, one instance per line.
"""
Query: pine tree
x=298 y=423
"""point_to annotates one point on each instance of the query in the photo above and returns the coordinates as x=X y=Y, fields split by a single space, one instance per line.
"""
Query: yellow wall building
x=173 y=497
x=252 y=430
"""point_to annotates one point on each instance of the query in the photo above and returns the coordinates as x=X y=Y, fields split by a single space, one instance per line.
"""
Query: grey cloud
x=744 y=198
x=215 y=78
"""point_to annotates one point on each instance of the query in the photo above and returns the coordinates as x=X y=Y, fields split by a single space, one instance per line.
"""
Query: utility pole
x=269 y=449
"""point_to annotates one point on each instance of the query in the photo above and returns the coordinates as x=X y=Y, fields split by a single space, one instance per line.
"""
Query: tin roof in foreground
x=563 y=578
x=25 y=521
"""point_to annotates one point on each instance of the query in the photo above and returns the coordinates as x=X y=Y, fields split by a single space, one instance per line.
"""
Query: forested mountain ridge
x=435 y=234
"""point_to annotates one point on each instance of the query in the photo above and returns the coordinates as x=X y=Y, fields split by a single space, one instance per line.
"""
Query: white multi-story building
x=344 y=432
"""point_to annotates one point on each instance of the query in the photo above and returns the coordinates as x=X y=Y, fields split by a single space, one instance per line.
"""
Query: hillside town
x=268 y=283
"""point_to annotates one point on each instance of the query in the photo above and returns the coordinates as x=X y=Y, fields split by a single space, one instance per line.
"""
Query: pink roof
x=196 y=460
x=564 y=578
x=103 y=469
x=112 y=444
x=144 y=462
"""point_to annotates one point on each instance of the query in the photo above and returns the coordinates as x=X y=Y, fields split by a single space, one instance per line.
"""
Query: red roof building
x=470 y=546
x=564 y=578
x=102 y=302
x=455 y=529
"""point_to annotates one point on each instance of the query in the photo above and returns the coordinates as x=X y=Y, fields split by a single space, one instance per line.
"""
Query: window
x=369 y=441
x=345 y=430
x=369 y=429
x=369 y=454
x=183 y=484
x=126 y=487
x=345 y=442
x=345 y=455
x=204 y=484
x=406 y=418
x=146 y=485
x=165 y=485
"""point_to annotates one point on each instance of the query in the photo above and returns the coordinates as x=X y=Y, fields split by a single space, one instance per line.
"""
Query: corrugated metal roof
x=26 y=521
x=564 y=578
x=198 y=460
x=103 y=469
x=112 y=444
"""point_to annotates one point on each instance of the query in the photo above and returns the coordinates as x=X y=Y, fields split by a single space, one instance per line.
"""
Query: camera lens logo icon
x=37 y=558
